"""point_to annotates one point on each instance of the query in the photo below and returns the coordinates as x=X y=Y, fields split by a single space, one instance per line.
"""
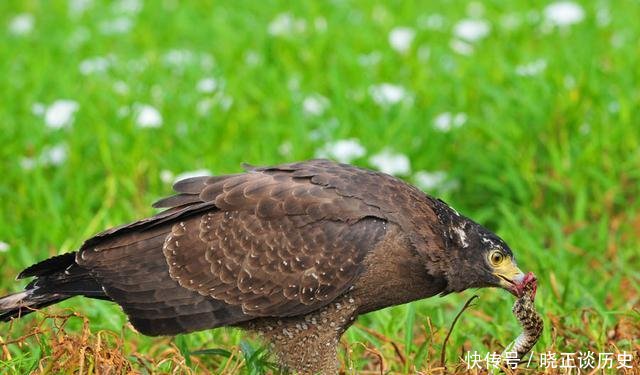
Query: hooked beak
x=512 y=279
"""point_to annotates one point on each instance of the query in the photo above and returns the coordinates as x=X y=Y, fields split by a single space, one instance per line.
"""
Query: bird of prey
x=294 y=252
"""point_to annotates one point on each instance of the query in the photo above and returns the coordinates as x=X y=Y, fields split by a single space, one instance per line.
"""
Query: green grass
x=551 y=162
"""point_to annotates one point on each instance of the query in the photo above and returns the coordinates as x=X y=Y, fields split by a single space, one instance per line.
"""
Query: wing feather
x=134 y=273
x=275 y=241
x=280 y=271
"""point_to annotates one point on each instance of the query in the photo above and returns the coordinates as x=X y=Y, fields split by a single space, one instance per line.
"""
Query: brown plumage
x=295 y=252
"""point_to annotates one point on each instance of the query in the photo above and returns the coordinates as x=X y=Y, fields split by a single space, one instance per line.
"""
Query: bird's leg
x=307 y=344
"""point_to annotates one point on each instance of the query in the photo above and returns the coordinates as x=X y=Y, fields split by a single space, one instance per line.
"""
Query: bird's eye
x=496 y=257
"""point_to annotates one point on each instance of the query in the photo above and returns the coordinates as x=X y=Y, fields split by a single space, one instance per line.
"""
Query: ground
x=522 y=116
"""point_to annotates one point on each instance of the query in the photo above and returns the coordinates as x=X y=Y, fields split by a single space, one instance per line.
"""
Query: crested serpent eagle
x=295 y=252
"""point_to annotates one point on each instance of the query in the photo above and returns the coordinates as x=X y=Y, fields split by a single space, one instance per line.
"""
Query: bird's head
x=479 y=258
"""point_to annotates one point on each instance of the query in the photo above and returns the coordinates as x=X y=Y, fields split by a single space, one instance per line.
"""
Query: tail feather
x=19 y=304
x=56 y=279
x=49 y=266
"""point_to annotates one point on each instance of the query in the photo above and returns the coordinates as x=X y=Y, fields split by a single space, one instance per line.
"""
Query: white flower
x=531 y=69
x=315 y=105
x=128 y=6
x=432 y=22
x=207 y=85
x=618 y=40
x=585 y=128
x=78 y=37
x=148 y=116
x=471 y=30
x=38 y=109
x=182 y=128
x=391 y=163
x=475 y=9
x=320 y=24
x=370 y=59
x=78 y=7
x=4 y=247
x=123 y=111
x=569 y=82
x=436 y=180
x=386 y=94
x=285 y=148
x=27 y=164
x=60 y=114
x=424 y=53
x=190 y=174
x=178 y=57
x=563 y=13
x=221 y=100
x=603 y=17
x=167 y=176
x=97 y=64
x=447 y=121
x=343 y=150
x=207 y=62
x=461 y=47
x=401 y=38
x=55 y=155
x=252 y=58
x=285 y=24
x=293 y=83
x=120 y=87
x=324 y=132
x=204 y=106
x=510 y=21
x=22 y=24
x=224 y=101
x=118 y=25
x=533 y=16
x=429 y=180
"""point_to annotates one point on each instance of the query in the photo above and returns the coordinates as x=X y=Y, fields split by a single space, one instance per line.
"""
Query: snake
x=529 y=319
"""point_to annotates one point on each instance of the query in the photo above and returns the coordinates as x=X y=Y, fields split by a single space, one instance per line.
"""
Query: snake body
x=531 y=322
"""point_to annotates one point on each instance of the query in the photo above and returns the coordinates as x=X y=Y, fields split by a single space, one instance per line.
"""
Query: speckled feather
x=276 y=241
x=270 y=267
x=314 y=241
x=348 y=192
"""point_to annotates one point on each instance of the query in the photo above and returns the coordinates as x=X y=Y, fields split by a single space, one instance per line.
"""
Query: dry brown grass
x=84 y=351
x=99 y=352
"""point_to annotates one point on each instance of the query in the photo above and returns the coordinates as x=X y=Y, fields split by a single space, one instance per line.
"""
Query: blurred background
x=522 y=116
